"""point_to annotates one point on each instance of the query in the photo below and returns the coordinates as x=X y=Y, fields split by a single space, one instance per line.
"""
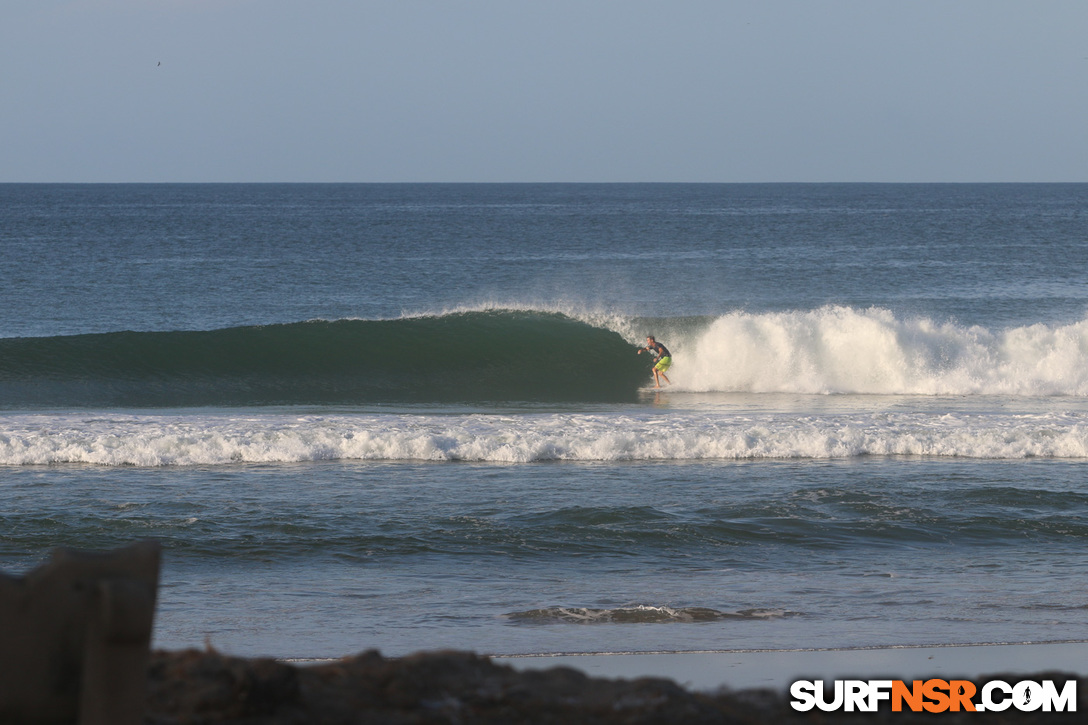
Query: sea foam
x=872 y=351
x=150 y=440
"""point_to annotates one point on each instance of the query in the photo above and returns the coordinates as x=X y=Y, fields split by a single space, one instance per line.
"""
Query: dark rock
x=461 y=688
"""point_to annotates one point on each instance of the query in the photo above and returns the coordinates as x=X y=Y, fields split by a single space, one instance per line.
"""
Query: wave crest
x=846 y=350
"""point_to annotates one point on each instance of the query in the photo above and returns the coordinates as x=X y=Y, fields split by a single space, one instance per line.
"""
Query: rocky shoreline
x=196 y=687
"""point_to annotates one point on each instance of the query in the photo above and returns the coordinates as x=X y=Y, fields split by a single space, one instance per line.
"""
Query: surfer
x=664 y=359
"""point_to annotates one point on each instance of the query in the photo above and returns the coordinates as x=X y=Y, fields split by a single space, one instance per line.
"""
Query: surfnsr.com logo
x=934 y=696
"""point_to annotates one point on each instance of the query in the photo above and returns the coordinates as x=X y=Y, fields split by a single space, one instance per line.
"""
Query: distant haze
x=497 y=91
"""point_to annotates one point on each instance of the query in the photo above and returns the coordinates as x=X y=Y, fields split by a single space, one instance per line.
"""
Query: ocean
x=412 y=416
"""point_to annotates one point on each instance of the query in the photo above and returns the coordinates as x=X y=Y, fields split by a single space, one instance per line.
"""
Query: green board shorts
x=663 y=364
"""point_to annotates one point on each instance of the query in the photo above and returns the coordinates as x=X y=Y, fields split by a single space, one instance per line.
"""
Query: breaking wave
x=490 y=355
x=845 y=350
x=531 y=355
x=659 y=435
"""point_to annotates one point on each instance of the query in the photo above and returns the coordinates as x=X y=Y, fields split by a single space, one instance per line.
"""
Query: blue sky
x=503 y=90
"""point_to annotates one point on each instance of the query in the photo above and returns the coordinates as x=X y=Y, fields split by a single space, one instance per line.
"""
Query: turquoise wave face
x=460 y=357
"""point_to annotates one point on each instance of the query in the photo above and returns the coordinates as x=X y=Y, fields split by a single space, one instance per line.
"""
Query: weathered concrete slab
x=75 y=635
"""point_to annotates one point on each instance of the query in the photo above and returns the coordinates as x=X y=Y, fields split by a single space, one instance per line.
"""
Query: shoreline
x=746 y=669
x=711 y=670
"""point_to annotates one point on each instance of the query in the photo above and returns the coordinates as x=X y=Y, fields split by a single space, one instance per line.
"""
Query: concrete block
x=75 y=637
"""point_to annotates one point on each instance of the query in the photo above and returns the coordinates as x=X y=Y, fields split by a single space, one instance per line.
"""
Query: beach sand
x=204 y=686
